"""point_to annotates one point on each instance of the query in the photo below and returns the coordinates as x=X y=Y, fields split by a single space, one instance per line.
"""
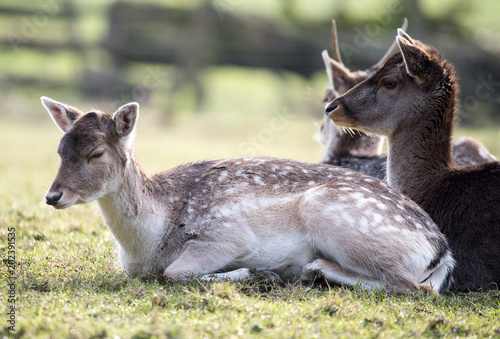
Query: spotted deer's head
x=94 y=152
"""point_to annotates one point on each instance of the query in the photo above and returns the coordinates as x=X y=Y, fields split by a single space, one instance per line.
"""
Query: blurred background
x=223 y=78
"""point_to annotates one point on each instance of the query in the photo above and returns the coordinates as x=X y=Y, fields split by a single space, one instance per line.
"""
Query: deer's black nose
x=330 y=108
x=53 y=198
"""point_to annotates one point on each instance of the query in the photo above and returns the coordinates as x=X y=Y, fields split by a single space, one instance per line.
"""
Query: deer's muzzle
x=53 y=198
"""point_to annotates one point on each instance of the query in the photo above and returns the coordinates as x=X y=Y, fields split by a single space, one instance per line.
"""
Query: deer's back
x=465 y=204
x=373 y=166
x=197 y=189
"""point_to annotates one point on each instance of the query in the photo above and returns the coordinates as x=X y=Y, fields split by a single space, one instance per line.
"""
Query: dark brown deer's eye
x=389 y=83
x=97 y=155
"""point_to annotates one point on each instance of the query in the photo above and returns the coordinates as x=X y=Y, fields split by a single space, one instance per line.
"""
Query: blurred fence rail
x=44 y=44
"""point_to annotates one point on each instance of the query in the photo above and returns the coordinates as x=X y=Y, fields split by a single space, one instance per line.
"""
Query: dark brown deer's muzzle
x=338 y=114
x=53 y=198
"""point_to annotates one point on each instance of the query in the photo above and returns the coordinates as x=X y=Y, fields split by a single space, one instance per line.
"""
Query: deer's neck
x=133 y=214
x=421 y=152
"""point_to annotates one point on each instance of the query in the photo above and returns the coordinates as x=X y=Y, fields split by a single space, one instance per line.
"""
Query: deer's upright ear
x=64 y=116
x=417 y=63
x=125 y=118
x=342 y=78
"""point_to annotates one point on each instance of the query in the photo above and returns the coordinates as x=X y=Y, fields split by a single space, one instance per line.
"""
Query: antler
x=391 y=49
x=335 y=44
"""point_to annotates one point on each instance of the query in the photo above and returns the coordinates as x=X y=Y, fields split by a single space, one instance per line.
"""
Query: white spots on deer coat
x=222 y=176
x=347 y=217
x=418 y=225
x=335 y=208
x=376 y=218
x=231 y=190
x=388 y=229
x=343 y=198
x=360 y=203
x=364 y=225
x=399 y=218
x=356 y=196
x=345 y=189
x=258 y=180
x=225 y=212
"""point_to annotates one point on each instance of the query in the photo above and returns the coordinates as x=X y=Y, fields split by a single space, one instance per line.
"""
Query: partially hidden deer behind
x=345 y=148
x=412 y=100
x=244 y=217
x=363 y=152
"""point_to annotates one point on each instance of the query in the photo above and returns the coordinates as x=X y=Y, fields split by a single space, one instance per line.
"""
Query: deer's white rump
x=240 y=217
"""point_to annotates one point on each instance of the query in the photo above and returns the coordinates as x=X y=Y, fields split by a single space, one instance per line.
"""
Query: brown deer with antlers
x=412 y=100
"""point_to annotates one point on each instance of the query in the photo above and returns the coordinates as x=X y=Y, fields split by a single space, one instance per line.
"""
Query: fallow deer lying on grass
x=412 y=100
x=362 y=152
x=240 y=217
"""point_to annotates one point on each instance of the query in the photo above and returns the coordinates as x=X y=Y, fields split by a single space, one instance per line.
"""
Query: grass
x=69 y=285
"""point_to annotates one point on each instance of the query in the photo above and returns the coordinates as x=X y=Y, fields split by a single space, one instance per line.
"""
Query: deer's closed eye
x=96 y=155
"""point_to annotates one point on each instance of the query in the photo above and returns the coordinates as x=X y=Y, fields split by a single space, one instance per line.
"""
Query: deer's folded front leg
x=200 y=258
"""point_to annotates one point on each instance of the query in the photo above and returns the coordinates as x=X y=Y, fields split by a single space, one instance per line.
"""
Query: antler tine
x=329 y=71
x=335 y=43
x=391 y=49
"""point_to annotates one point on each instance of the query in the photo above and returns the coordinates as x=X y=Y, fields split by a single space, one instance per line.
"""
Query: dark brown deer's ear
x=330 y=92
x=64 y=116
x=341 y=76
x=416 y=61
